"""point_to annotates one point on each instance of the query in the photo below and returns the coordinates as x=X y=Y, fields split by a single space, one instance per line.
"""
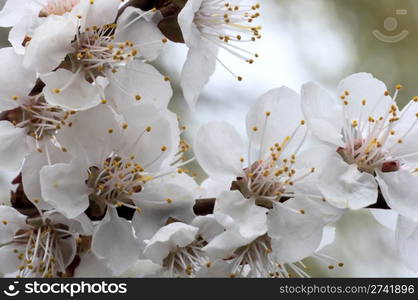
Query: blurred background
x=321 y=41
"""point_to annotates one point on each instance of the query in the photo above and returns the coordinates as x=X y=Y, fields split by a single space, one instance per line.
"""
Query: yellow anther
x=169 y=201
x=164 y=148
x=56 y=91
x=125 y=126
x=104 y=101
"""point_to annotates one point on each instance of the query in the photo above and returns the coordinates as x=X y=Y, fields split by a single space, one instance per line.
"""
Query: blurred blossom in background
x=321 y=41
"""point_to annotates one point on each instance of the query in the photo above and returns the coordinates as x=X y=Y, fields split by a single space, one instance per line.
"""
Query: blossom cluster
x=101 y=182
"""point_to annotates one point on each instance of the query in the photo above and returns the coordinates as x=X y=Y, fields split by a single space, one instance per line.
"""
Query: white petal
x=406 y=129
x=212 y=188
x=363 y=86
x=97 y=13
x=294 y=236
x=224 y=245
x=407 y=240
x=218 y=148
x=63 y=186
x=344 y=186
x=14 y=10
x=240 y=215
x=386 y=217
x=138 y=81
x=186 y=22
x=90 y=141
x=6 y=186
x=11 y=221
x=208 y=226
x=185 y=181
x=328 y=237
x=146 y=145
x=168 y=238
x=9 y=259
x=323 y=113
x=71 y=91
x=13 y=147
x=50 y=43
x=400 y=191
x=66 y=250
x=92 y=266
x=114 y=241
x=284 y=107
x=145 y=35
x=81 y=224
x=158 y=202
x=33 y=165
x=142 y=268
x=17 y=80
x=314 y=207
x=198 y=68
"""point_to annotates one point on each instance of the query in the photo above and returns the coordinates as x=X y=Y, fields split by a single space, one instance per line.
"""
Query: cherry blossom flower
x=37 y=246
x=275 y=163
x=110 y=165
x=260 y=239
x=79 y=53
x=371 y=143
x=178 y=248
x=208 y=26
x=28 y=120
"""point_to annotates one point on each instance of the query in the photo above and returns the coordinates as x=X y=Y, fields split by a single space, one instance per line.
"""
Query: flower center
x=38 y=117
x=186 y=260
x=269 y=180
x=227 y=25
x=95 y=50
x=39 y=251
x=255 y=255
x=114 y=182
x=58 y=7
x=372 y=141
